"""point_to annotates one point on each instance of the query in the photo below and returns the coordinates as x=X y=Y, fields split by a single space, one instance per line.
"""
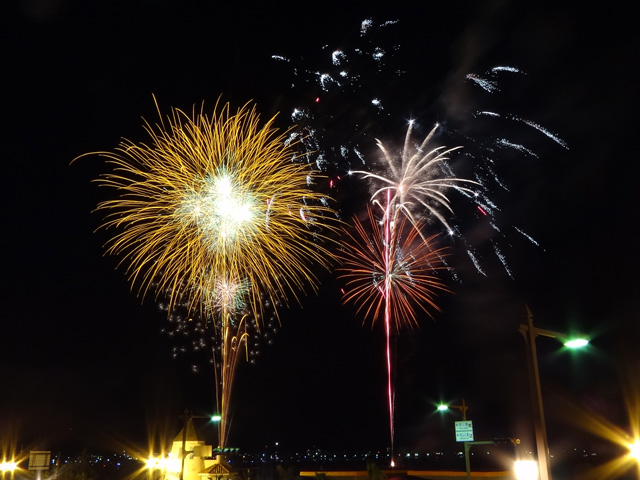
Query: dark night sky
x=82 y=361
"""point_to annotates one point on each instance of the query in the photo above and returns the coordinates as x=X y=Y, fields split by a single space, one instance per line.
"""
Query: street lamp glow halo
x=576 y=343
x=634 y=450
x=526 y=469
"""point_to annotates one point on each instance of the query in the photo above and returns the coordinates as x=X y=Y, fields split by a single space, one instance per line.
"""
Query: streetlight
x=154 y=464
x=443 y=407
x=526 y=470
x=634 y=450
x=8 y=466
x=215 y=418
x=529 y=332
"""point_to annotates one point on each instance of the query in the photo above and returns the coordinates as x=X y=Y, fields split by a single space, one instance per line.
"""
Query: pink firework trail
x=397 y=255
x=387 y=315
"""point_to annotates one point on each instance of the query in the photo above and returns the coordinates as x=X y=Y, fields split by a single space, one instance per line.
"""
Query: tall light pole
x=529 y=332
x=463 y=409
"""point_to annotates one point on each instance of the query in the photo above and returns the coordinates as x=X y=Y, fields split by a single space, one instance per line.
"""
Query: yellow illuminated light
x=628 y=439
x=168 y=464
x=634 y=450
x=8 y=466
x=172 y=465
x=526 y=470
x=153 y=463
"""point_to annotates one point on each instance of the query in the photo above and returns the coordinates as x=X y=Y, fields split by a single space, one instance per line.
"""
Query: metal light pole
x=529 y=332
x=463 y=408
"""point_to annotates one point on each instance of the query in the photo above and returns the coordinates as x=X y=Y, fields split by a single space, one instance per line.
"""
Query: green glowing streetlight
x=530 y=333
x=188 y=418
x=443 y=407
x=576 y=343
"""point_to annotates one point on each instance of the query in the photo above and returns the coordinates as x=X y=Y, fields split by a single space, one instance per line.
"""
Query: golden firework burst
x=213 y=197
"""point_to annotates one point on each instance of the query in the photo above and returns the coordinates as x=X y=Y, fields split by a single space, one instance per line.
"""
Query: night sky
x=83 y=361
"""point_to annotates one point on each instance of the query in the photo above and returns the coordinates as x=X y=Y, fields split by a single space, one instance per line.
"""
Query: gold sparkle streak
x=213 y=197
x=234 y=338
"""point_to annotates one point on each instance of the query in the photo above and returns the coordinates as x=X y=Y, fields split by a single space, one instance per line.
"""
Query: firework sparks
x=346 y=101
x=392 y=270
x=224 y=336
x=216 y=214
x=349 y=110
x=412 y=264
x=215 y=197
x=416 y=181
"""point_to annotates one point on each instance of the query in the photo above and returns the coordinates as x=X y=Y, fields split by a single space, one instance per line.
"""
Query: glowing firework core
x=222 y=209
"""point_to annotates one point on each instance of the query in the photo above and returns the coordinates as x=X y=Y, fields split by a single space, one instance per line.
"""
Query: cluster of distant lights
x=314 y=455
x=524 y=469
x=114 y=459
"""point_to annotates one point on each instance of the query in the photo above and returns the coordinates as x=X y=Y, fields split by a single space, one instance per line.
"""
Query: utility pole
x=529 y=332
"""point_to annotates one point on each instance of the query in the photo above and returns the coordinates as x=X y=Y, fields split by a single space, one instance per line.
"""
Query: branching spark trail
x=389 y=269
x=409 y=197
x=416 y=181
